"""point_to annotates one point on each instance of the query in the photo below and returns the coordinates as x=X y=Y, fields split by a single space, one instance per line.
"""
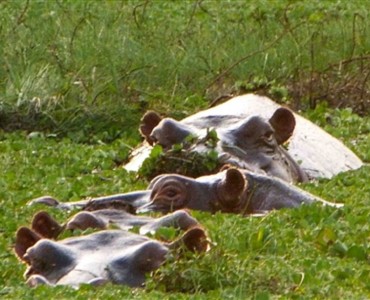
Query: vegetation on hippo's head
x=183 y=159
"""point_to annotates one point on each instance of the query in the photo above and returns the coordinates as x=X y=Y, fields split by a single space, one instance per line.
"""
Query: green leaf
x=326 y=237
x=358 y=252
x=264 y=295
x=156 y=151
x=166 y=233
x=339 y=248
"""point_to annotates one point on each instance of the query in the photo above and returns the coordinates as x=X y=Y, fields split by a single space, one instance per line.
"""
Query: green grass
x=79 y=75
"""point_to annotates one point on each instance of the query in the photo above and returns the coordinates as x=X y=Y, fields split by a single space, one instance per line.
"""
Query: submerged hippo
x=232 y=190
x=47 y=227
x=251 y=130
x=252 y=143
x=115 y=256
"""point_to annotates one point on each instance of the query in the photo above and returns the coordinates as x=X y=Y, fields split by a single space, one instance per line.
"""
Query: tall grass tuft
x=65 y=63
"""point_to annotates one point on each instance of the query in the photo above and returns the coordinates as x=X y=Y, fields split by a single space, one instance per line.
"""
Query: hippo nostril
x=153 y=139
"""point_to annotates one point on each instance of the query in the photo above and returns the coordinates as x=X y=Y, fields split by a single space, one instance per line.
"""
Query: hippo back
x=318 y=153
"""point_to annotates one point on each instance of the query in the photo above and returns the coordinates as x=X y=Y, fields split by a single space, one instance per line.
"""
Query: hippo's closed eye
x=171 y=192
x=268 y=139
x=168 y=193
x=268 y=135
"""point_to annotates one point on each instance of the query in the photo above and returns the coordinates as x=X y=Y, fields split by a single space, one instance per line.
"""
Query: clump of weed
x=184 y=158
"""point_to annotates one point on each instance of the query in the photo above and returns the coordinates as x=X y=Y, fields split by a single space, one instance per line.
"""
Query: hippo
x=116 y=256
x=231 y=190
x=252 y=143
x=249 y=128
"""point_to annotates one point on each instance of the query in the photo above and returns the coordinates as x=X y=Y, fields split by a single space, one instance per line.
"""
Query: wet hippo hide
x=252 y=143
x=47 y=227
x=257 y=143
x=125 y=201
x=316 y=152
x=116 y=256
x=233 y=190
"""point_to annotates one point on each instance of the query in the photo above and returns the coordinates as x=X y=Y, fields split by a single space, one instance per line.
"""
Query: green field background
x=76 y=77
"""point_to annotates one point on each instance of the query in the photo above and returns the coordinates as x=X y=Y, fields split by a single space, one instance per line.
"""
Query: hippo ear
x=25 y=238
x=45 y=225
x=194 y=239
x=283 y=122
x=231 y=188
x=150 y=120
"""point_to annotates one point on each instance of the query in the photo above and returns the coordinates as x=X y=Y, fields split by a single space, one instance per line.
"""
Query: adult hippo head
x=319 y=154
x=232 y=190
x=116 y=256
x=253 y=143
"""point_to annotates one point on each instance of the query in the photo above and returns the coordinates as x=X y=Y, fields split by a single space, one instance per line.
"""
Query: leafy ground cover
x=76 y=76
x=304 y=253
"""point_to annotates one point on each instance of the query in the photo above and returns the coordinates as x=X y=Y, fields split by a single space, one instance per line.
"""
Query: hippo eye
x=268 y=136
x=171 y=193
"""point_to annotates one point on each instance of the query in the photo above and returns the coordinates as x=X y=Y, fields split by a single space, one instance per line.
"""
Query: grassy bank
x=66 y=64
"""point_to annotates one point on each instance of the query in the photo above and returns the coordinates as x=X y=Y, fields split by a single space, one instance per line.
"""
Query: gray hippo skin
x=101 y=219
x=125 y=201
x=233 y=190
x=253 y=143
x=116 y=256
x=318 y=154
